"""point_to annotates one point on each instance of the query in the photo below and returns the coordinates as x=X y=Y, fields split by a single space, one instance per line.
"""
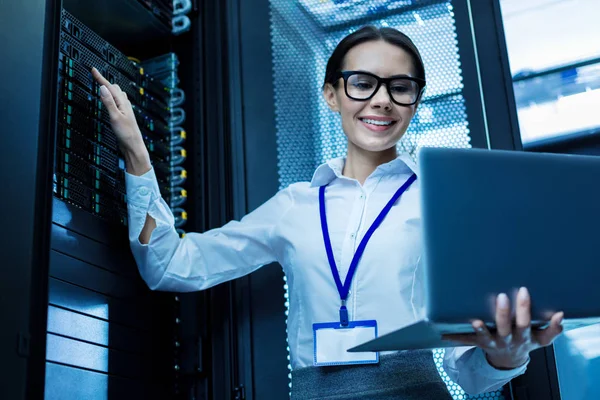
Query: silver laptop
x=494 y=221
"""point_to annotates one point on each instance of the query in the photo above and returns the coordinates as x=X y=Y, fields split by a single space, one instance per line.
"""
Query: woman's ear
x=330 y=96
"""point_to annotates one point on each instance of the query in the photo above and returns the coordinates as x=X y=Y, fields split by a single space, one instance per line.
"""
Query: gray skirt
x=410 y=375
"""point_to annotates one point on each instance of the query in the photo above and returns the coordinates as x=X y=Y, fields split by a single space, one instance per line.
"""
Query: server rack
x=81 y=323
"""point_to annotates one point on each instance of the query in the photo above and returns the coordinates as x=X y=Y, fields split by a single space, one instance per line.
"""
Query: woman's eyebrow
x=402 y=75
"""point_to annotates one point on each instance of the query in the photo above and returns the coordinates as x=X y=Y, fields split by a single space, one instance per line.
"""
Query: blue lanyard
x=343 y=289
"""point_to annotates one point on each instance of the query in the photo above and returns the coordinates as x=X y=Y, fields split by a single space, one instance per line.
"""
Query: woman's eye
x=400 y=89
x=363 y=85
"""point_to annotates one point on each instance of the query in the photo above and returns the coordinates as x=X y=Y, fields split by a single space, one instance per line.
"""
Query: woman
x=342 y=269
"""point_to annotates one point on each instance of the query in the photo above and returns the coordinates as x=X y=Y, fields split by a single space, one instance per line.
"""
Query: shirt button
x=352 y=235
x=143 y=191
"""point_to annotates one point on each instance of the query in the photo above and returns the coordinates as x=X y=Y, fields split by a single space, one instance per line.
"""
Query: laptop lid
x=494 y=221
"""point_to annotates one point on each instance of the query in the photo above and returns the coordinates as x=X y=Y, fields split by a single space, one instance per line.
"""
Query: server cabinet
x=80 y=321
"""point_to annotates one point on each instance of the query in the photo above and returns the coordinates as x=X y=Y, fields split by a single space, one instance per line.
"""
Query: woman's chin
x=377 y=143
x=378 y=146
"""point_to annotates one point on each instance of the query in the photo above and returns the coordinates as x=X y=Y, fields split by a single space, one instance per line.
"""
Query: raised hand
x=124 y=125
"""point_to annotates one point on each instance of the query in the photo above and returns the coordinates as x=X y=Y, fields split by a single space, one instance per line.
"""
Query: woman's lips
x=376 y=127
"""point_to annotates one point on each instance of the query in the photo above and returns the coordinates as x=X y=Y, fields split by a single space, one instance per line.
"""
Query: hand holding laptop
x=492 y=220
x=510 y=345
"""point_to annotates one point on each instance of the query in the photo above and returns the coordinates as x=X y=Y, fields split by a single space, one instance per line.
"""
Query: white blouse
x=387 y=286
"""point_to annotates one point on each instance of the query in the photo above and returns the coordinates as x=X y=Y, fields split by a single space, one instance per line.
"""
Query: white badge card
x=331 y=342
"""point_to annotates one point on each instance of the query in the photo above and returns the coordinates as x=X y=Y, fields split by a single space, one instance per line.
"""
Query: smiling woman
x=374 y=120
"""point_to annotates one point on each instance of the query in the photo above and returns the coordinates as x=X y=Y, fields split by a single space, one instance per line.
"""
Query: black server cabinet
x=27 y=117
x=78 y=320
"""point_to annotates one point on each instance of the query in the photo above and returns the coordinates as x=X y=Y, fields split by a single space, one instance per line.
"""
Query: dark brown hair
x=367 y=34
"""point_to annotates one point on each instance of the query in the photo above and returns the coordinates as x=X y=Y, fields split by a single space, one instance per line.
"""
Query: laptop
x=494 y=221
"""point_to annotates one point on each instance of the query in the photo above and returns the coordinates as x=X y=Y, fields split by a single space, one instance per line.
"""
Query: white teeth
x=375 y=122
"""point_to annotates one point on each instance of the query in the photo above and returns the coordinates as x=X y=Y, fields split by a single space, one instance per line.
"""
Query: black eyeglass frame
x=347 y=74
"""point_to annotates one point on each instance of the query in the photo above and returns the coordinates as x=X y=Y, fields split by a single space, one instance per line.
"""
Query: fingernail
x=560 y=319
x=523 y=293
x=502 y=300
x=104 y=90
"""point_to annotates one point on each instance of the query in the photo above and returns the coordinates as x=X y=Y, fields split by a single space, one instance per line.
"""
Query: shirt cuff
x=142 y=190
x=481 y=364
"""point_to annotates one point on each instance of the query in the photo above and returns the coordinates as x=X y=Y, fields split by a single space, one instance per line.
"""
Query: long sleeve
x=199 y=260
x=466 y=366
x=469 y=368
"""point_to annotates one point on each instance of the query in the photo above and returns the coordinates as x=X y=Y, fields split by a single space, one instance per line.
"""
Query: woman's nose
x=381 y=99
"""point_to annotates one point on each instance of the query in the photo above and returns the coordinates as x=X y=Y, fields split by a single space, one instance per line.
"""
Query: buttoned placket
x=354 y=234
x=355 y=228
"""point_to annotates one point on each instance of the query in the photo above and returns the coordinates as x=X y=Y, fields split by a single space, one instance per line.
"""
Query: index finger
x=523 y=312
x=98 y=76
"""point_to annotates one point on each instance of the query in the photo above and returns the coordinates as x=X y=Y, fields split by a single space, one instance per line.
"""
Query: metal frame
x=490 y=98
x=241 y=300
x=28 y=113
x=234 y=171
x=262 y=330
x=196 y=308
x=213 y=353
x=220 y=190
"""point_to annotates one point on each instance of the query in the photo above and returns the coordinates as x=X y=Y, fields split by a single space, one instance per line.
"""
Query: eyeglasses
x=362 y=86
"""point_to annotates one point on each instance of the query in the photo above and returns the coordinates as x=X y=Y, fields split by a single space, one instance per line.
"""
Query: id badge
x=331 y=342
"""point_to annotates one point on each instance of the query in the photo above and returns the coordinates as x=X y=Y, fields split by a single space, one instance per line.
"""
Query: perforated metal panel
x=304 y=33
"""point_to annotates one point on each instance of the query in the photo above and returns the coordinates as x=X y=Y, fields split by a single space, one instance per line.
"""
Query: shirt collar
x=332 y=169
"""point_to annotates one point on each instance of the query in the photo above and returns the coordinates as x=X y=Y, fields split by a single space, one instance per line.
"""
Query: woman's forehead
x=380 y=58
